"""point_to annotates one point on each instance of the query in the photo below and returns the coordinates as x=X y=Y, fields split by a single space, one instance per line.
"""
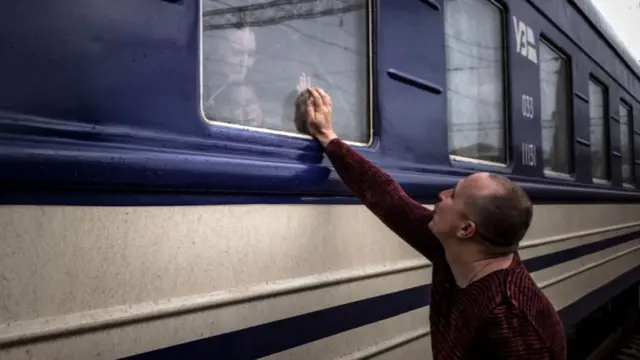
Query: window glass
x=475 y=79
x=258 y=55
x=599 y=131
x=626 y=144
x=555 y=114
x=636 y=144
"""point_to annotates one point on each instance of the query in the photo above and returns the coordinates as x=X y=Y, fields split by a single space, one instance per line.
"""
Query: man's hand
x=314 y=110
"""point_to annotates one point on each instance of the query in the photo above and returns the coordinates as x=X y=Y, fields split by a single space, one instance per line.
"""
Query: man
x=484 y=304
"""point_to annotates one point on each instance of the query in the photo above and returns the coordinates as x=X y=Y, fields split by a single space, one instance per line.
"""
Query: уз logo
x=525 y=40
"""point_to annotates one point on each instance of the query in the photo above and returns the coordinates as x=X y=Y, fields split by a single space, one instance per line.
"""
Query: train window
x=636 y=145
x=258 y=55
x=599 y=126
x=626 y=143
x=555 y=115
x=474 y=47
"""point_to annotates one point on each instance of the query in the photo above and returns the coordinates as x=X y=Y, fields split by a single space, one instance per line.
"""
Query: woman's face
x=236 y=52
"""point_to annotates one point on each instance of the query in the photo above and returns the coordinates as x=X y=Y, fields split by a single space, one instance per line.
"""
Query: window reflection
x=475 y=92
x=626 y=144
x=554 y=107
x=258 y=55
x=599 y=131
x=634 y=151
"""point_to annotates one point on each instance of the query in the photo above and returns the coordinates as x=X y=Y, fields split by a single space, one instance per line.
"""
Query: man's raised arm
x=374 y=187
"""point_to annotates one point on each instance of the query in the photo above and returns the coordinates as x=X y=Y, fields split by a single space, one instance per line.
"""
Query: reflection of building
x=481 y=151
x=558 y=157
x=275 y=12
x=599 y=164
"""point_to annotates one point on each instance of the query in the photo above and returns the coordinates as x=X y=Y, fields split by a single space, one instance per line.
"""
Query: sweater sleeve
x=386 y=199
x=509 y=335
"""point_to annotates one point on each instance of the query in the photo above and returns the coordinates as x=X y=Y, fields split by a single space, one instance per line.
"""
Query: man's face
x=449 y=220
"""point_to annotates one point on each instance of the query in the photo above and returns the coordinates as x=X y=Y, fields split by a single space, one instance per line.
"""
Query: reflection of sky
x=552 y=99
x=325 y=51
x=623 y=17
x=474 y=73
x=596 y=109
x=598 y=131
x=624 y=144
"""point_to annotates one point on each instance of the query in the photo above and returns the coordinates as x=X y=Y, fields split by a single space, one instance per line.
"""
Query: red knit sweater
x=503 y=315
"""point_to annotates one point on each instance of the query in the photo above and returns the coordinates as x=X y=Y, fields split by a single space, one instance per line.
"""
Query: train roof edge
x=592 y=13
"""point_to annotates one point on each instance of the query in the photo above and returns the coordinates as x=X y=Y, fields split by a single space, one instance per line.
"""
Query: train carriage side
x=159 y=203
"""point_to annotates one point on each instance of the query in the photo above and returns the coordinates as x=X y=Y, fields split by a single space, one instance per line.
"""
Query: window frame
x=468 y=162
x=569 y=91
x=370 y=29
x=606 y=119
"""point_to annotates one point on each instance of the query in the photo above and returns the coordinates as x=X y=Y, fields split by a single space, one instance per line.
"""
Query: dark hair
x=502 y=217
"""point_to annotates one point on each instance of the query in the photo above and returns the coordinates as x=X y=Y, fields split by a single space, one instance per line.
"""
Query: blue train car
x=159 y=203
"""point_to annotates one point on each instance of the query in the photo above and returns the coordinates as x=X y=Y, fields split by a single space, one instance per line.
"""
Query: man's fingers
x=326 y=99
x=317 y=98
x=311 y=111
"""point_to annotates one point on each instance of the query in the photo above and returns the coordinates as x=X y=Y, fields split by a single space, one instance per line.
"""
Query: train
x=159 y=202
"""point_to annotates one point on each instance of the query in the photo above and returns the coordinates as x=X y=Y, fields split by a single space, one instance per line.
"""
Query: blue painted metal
x=103 y=96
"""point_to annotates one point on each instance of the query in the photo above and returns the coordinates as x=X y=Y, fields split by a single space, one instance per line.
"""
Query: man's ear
x=467 y=230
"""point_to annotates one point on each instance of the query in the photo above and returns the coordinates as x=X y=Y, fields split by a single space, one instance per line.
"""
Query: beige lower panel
x=558 y=219
x=530 y=251
x=550 y=273
x=97 y=258
x=402 y=341
x=57 y=260
x=363 y=338
x=63 y=260
x=151 y=334
x=561 y=294
x=565 y=292
x=157 y=334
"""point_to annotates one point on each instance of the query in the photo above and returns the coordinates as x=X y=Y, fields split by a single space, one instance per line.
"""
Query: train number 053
x=527 y=106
